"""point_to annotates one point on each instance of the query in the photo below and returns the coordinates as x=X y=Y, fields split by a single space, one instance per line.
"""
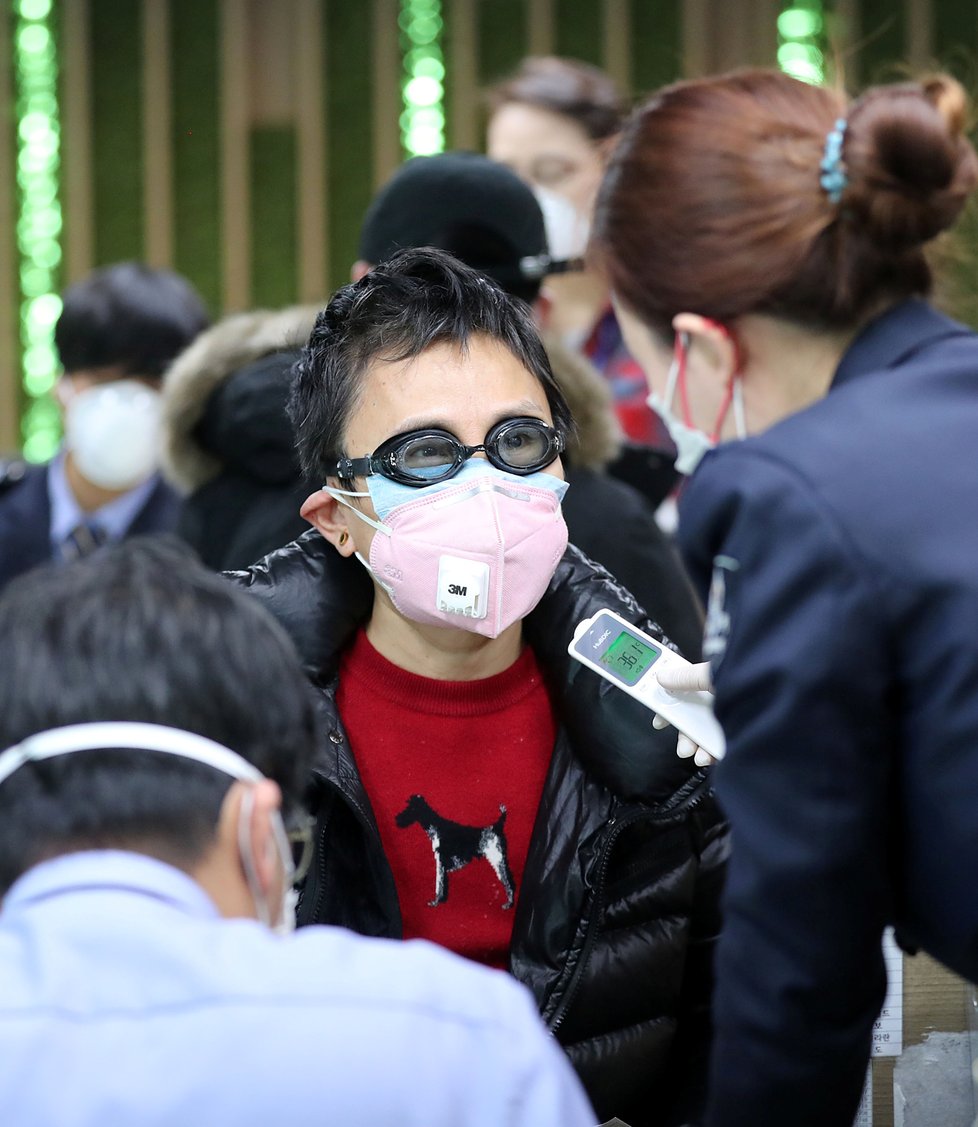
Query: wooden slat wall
x=235 y=194
x=919 y=34
x=616 y=37
x=184 y=146
x=117 y=79
x=157 y=129
x=464 y=111
x=579 y=31
x=386 y=73
x=77 y=186
x=540 y=27
x=312 y=246
x=351 y=116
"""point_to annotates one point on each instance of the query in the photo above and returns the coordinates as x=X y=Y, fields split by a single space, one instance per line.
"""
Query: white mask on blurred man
x=113 y=431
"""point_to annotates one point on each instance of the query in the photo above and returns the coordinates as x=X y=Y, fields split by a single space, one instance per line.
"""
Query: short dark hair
x=140 y=631
x=128 y=316
x=401 y=308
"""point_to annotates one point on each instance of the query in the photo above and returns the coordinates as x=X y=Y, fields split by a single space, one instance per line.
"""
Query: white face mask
x=186 y=745
x=567 y=229
x=692 y=443
x=113 y=431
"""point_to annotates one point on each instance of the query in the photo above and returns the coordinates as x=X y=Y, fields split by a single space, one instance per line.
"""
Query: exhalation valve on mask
x=463 y=587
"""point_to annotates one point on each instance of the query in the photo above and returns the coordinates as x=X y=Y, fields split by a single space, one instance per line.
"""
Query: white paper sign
x=888 y=1028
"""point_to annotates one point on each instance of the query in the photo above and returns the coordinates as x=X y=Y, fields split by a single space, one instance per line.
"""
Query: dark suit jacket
x=840 y=548
x=25 y=520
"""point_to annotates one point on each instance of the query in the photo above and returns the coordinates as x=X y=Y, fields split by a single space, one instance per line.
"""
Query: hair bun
x=911 y=168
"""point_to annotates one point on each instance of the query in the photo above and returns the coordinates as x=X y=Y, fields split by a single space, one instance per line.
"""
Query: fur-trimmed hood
x=213 y=358
x=217 y=354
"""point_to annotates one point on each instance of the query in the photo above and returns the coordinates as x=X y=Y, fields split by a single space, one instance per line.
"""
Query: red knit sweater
x=454 y=771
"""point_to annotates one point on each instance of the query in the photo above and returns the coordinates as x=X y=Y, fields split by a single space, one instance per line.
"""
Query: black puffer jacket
x=617 y=913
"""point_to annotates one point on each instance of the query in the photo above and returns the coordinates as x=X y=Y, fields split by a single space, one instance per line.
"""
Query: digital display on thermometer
x=628 y=658
x=622 y=653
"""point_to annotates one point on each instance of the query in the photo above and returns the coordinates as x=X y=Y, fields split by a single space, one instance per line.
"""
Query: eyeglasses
x=422 y=457
x=301 y=847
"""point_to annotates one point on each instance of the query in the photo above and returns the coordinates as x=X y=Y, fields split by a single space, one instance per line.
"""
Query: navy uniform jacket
x=25 y=518
x=840 y=549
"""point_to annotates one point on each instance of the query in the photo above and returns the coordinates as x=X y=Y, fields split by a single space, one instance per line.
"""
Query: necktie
x=83 y=540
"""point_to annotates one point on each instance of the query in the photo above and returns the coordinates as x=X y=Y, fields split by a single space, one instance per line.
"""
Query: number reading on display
x=629 y=658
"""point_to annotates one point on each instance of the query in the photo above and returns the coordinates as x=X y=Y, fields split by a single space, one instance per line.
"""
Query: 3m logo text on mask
x=463 y=587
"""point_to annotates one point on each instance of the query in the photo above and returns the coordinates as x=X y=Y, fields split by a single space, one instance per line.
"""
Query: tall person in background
x=765 y=241
x=555 y=122
x=117 y=332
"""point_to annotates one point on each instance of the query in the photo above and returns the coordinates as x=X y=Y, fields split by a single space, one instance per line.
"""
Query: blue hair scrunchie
x=834 y=179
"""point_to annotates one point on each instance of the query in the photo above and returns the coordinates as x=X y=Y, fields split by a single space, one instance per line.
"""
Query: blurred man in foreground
x=159 y=733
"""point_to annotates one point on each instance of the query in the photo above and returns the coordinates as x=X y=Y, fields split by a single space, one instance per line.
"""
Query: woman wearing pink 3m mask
x=477 y=787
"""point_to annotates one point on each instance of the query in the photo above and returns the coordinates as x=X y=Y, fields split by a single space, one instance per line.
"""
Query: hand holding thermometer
x=630 y=659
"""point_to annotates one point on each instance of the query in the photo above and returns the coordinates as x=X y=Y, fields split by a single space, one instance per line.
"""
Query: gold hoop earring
x=344 y=536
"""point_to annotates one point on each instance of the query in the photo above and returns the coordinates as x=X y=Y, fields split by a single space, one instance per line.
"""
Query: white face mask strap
x=245 y=813
x=286 y=921
x=672 y=376
x=127 y=736
x=340 y=494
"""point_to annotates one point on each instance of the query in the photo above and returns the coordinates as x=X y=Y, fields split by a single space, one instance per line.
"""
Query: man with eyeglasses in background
x=159 y=735
x=476 y=789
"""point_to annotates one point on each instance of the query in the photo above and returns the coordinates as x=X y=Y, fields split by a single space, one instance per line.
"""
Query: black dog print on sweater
x=455 y=845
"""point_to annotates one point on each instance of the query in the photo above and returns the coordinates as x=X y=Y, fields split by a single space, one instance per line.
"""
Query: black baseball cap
x=471 y=206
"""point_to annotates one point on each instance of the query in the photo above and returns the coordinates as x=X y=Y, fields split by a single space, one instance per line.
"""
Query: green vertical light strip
x=38 y=220
x=801 y=35
x=423 y=82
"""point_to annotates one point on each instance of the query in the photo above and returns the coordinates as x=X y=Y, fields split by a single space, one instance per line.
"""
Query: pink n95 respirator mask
x=475 y=552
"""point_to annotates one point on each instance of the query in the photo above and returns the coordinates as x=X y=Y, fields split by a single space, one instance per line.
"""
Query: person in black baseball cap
x=471 y=206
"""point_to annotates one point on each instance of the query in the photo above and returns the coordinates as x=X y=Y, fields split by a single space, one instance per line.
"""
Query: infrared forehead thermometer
x=630 y=659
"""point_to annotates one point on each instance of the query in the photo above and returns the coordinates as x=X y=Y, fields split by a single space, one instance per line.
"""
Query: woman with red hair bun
x=765 y=242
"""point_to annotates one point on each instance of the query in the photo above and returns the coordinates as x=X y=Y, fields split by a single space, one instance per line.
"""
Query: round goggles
x=422 y=457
